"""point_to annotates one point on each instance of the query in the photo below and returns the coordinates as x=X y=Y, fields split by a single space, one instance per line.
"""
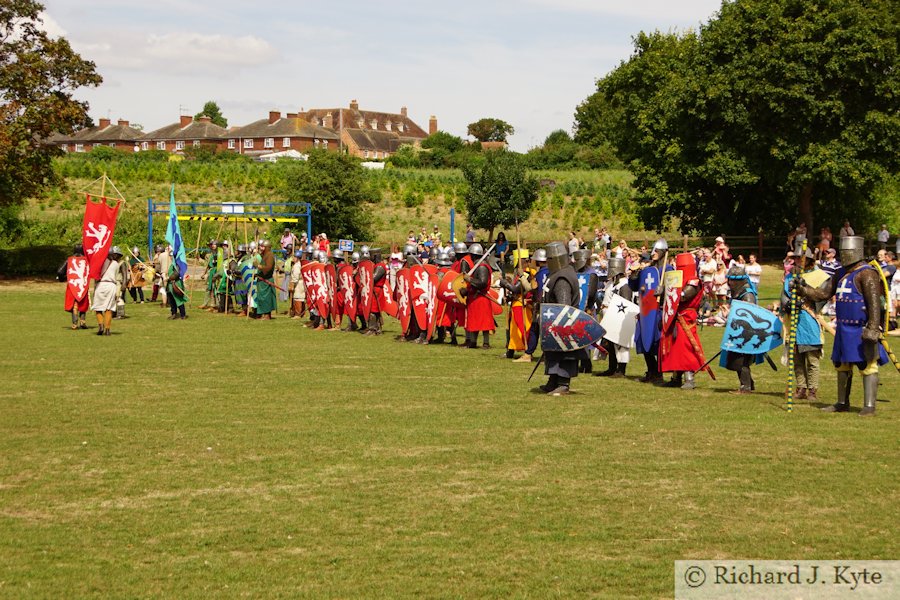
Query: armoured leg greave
x=844 y=381
x=689 y=383
x=870 y=394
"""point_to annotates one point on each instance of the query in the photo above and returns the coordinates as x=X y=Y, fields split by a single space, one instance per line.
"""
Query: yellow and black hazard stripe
x=238 y=219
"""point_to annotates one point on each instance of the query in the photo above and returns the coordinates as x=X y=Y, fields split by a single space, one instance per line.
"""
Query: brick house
x=277 y=133
x=370 y=134
x=187 y=132
x=120 y=136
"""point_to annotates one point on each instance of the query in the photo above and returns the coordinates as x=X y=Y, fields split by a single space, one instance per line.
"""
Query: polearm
x=792 y=335
x=884 y=342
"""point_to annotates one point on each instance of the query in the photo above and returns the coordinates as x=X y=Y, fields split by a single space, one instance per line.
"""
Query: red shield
x=496 y=307
x=431 y=269
x=316 y=287
x=348 y=290
x=420 y=295
x=366 y=274
x=448 y=292
x=388 y=304
x=404 y=305
x=331 y=290
x=77 y=276
x=433 y=281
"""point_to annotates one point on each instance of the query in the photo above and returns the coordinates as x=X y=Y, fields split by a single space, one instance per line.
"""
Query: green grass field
x=217 y=457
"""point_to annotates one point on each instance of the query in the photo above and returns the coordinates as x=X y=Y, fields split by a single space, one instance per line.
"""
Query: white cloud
x=52 y=28
x=201 y=50
x=681 y=11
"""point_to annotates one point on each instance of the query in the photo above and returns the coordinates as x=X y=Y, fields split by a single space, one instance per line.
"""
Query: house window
x=366 y=154
x=325 y=144
x=145 y=145
x=179 y=145
x=231 y=144
x=112 y=144
x=196 y=143
x=316 y=143
x=248 y=144
x=79 y=147
x=269 y=143
x=160 y=145
x=285 y=142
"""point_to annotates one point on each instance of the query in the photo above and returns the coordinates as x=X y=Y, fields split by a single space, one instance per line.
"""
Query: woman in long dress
x=106 y=291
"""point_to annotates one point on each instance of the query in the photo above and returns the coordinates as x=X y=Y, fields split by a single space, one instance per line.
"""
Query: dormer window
x=374 y=124
x=388 y=125
x=401 y=127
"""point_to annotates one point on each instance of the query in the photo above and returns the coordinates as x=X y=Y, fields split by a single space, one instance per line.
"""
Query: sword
x=540 y=360
x=694 y=343
x=706 y=364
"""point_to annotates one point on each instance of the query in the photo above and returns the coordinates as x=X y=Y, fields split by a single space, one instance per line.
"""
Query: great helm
x=557 y=256
x=460 y=248
x=540 y=255
x=580 y=258
x=476 y=249
x=852 y=249
x=685 y=263
x=615 y=266
x=365 y=253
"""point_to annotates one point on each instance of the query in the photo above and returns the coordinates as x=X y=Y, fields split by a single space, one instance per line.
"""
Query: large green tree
x=38 y=75
x=500 y=191
x=212 y=110
x=775 y=111
x=490 y=130
x=337 y=188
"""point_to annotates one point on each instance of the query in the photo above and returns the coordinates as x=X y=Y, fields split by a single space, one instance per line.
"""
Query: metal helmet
x=615 y=266
x=852 y=249
x=557 y=256
x=310 y=249
x=443 y=259
x=660 y=245
x=159 y=248
x=242 y=248
x=298 y=253
x=116 y=251
x=581 y=258
x=365 y=251
x=409 y=249
x=252 y=246
x=737 y=280
x=337 y=255
x=685 y=263
x=265 y=244
x=460 y=248
x=476 y=249
x=78 y=250
x=136 y=251
x=376 y=255
x=213 y=242
x=540 y=255
x=354 y=258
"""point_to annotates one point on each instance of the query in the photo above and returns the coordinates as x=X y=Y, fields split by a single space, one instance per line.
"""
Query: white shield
x=619 y=321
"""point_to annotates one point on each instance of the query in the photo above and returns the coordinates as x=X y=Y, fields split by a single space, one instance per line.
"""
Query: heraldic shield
x=366 y=273
x=751 y=329
x=566 y=328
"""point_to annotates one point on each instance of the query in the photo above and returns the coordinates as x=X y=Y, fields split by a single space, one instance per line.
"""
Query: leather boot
x=811 y=395
x=870 y=395
x=688 y=381
x=550 y=385
x=844 y=381
x=620 y=370
x=676 y=381
x=801 y=394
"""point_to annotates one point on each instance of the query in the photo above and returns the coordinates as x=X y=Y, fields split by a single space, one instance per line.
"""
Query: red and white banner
x=97 y=232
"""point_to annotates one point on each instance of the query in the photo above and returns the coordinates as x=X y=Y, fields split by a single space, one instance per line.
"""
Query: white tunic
x=106 y=290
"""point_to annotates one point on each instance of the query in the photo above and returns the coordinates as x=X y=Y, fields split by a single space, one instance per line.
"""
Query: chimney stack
x=292 y=115
x=274 y=115
x=403 y=111
x=186 y=120
x=432 y=125
x=104 y=123
x=123 y=123
x=354 y=105
x=329 y=121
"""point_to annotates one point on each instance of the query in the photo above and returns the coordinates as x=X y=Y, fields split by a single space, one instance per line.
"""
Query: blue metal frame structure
x=254 y=212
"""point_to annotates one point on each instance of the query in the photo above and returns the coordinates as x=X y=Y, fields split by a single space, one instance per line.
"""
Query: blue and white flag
x=173 y=237
x=751 y=329
x=565 y=328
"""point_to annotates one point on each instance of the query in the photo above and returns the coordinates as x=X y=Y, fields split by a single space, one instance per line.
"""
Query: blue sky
x=529 y=62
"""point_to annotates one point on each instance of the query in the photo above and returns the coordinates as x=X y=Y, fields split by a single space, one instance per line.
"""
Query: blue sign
x=345 y=245
x=751 y=329
x=565 y=328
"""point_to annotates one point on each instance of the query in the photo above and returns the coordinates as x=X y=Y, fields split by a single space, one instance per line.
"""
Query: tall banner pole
x=792 y=335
